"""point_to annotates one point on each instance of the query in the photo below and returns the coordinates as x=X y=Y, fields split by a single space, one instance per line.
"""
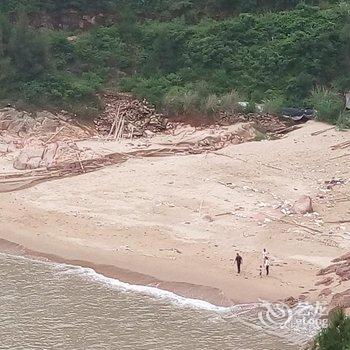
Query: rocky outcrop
x=39 y=139
x=326 y=281
x=344 y=257
x=21 y=122
x=38 y=155
x=18 y=129
x=342 y=270
x=15 y=121
x=325 y=292
x=29 y=158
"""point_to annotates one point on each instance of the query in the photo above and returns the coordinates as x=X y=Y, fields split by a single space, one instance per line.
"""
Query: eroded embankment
x=43 y=146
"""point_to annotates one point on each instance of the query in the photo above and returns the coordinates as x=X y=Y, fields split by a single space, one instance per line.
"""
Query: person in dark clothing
x=239 y=261
x=267 y=265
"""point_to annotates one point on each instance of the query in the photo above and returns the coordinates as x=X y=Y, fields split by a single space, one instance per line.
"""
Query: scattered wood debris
x=341 y=145
x=342 y=156
x=319 y=132
x=334 y=182
x=125 y=116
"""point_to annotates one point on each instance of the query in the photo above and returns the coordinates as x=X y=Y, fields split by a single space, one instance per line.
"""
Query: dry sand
x=164 y=222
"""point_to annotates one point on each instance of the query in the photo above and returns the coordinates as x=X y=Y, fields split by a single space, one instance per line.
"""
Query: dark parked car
x=298 y=114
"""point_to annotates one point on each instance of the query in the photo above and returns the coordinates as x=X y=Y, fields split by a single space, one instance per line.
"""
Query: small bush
x=191 y=102
x=212 y=104
x=328 y=104
x=173 y=101
x=343 y=121
x=229 y=102
x=274 y=106
x=250 y=107
x=337 y=335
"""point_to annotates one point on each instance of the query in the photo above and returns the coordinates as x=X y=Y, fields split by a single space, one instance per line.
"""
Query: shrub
x=229 y=102
x=174 y=100
x=191 y=102
x=328 y=104
x=212 y=104
x=337 y=335
x=343 y=121
x=153 y=89
x=273 y=106
x=250 y=107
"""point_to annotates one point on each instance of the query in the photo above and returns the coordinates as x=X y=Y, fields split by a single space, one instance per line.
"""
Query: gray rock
x=29 y=158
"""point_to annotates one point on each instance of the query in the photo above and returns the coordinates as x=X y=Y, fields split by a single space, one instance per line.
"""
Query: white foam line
x=158 y=293
x=154 y=292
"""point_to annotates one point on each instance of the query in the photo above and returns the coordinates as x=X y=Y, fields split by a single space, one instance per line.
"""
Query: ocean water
x=54 y=306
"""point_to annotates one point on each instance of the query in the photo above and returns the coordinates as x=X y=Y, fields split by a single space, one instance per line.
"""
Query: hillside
x=183 y=56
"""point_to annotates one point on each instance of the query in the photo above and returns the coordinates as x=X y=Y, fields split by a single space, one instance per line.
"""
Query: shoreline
x=109 y=276
x=181 y=289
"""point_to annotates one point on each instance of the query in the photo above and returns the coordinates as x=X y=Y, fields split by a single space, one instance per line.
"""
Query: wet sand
x=187 y=290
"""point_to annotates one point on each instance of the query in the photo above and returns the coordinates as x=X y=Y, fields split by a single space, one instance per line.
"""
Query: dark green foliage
x=191 y=10
x=184 y=54
x=262 y=56
x=337 y=335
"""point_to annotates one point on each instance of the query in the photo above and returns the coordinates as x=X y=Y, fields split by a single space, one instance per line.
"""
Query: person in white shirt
x=264 y=255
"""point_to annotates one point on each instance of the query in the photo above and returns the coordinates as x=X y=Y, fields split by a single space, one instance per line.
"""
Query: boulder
x=4 y=147
x=207 y=218
x=303 y=205
x=7 y=147
x=290 y=301
x=310 y=345
x=15 y=121
x=34 y=163
x=29 y=158
x=50 y=154
x=327 y=270
x=341 y=300
x=326 y=281
x=49 y=122
x=342 y=258
x=344 y=273
x=325 y=292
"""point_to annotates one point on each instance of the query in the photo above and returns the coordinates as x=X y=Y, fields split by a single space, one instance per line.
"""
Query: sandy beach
x=177 y=222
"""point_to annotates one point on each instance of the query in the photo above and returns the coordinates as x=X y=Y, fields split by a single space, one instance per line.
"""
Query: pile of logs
x=126 y=117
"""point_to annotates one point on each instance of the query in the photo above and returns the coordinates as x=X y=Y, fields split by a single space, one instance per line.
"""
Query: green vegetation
x=328 y=104
x=274 y=105
x=337 y=335
x=183 y=55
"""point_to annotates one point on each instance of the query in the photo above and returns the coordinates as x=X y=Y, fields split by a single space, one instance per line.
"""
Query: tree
x=337 y=335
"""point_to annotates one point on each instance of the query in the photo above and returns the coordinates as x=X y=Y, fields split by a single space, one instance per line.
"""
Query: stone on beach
x=341 y=299
x=303 y=205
